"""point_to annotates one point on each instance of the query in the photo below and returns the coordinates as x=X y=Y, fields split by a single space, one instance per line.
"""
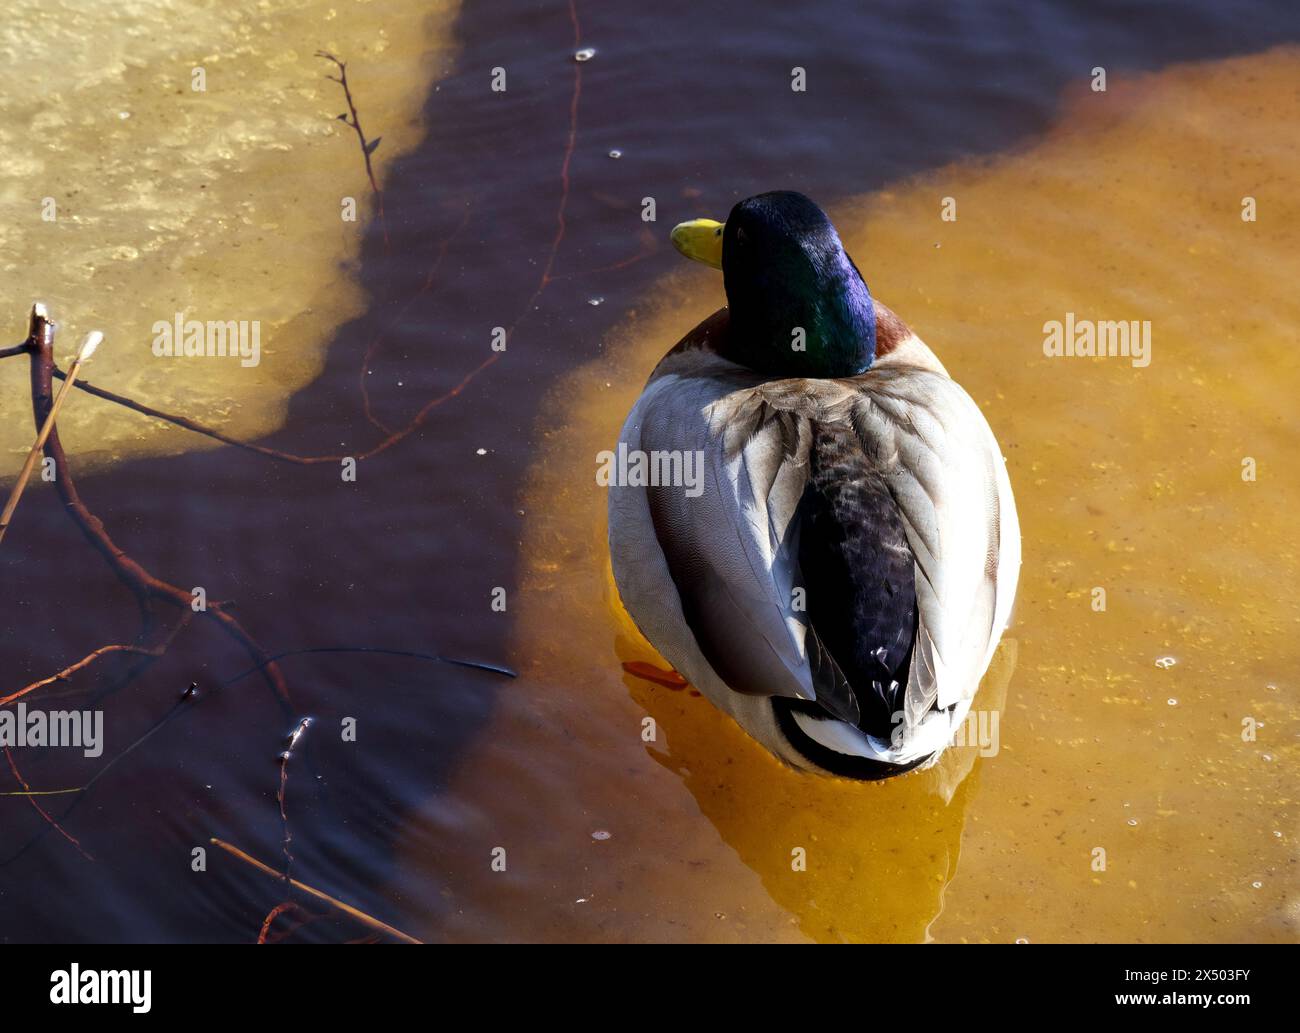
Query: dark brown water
x=406 y=559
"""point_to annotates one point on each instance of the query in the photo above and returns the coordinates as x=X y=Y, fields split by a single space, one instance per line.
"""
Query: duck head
x=798 y=307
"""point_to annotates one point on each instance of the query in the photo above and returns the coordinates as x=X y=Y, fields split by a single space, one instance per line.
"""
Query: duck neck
x=800 y=325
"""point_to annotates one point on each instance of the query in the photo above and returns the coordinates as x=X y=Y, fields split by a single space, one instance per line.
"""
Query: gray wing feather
x=736 y=564
x=942 y=467
x=728 y=549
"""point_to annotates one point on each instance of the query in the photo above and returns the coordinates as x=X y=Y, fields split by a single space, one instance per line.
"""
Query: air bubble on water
x=1022 y=939
x=1277 y=834
x=1257 y=885
x=616 y=153
x=1133 y=821
x=1172 y=702
x=1165 y=662
x=1266 y=756
x=585 y=54
x=595 y=301
x=480 y=451
x=601 y=835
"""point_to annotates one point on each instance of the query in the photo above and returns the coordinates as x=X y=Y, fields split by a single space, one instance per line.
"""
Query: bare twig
x=85 y=661
x=274 y=453
x=87 y=349
x=377 y=340
x=146 y=587
x=347 y=909
x=477 y=665
x=195 y=425
x=281 y=909
x=49 y=819
x=367 y=146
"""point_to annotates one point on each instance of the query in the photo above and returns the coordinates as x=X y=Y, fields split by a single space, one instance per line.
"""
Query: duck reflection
x=852 y=861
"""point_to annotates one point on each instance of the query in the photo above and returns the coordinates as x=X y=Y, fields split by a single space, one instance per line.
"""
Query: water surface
x=1128 y=478
x=1124 y=205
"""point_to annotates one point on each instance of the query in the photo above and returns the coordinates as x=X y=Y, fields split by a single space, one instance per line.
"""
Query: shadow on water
x=407 y=557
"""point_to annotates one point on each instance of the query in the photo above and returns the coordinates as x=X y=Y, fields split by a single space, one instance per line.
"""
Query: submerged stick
x=50 y=821
x=347 y=909
x=146 y=588
x=88 y=347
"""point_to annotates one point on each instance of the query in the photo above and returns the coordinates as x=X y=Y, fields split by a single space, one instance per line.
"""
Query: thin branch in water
x=42 y=792
x=84 y=791
x=142 y=583
x=367 y=146
x=195 y=425
x=49 y=820
x=274 y=453
x=347 y=909
x=649 y=246
x=191 y=695
x=373 y=347
x=569 y=147
x=281 y=909
x=43 y=431
x=478 y=665
x=89 y=658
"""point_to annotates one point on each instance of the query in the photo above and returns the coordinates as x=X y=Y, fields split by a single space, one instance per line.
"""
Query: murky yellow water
x=1128 y=479
x=224 y=204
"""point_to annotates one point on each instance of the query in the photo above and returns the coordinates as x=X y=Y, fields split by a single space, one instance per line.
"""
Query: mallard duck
x=839 y=572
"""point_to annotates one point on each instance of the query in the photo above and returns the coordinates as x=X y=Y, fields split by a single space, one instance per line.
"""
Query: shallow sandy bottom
x=224 y=204
x=1128 y=479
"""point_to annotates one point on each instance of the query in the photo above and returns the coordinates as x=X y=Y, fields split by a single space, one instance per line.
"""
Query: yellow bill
x=700 y=239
